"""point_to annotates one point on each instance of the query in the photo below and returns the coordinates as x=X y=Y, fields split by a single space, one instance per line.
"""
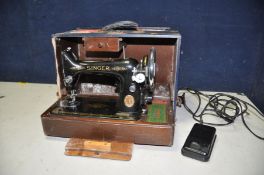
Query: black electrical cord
x=218 y=105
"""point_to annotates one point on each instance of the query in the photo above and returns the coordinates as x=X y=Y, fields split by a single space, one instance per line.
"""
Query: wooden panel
x=102 y=44
x=99 y=149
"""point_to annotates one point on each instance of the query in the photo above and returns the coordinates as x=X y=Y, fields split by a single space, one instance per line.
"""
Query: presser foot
x=69 y=103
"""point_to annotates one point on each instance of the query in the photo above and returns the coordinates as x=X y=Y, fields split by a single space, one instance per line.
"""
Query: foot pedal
x=99 y=149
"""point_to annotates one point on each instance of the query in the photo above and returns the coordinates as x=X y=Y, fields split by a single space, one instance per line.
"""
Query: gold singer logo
x=98 y=68
x=106 y=68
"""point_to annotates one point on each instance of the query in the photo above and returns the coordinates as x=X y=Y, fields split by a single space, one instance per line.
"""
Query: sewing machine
x=135 y=83
x=116 y=84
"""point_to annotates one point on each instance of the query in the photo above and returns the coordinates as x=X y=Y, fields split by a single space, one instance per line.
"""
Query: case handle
x=121 y=25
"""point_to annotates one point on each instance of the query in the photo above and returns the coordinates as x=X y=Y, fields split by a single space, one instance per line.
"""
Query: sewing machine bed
x=96 y=107
x=146 y=130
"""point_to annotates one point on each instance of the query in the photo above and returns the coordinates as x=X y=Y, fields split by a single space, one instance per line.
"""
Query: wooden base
x=99 y=149
x=142 y=131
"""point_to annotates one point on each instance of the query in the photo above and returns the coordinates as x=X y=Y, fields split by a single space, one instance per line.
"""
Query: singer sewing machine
x=135 y=83
x=117 y=83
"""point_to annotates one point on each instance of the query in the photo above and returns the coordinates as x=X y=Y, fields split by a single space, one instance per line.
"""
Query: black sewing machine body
x=134 y=83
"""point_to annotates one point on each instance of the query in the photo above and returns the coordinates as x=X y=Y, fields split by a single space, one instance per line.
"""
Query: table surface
x=24 y=148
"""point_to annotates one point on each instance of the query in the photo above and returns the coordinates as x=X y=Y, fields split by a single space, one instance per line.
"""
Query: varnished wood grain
x=99 y=149
x=102 y=44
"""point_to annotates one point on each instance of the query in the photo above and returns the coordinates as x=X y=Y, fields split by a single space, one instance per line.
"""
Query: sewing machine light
x=68 y=80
